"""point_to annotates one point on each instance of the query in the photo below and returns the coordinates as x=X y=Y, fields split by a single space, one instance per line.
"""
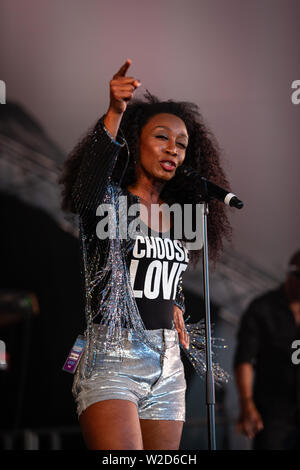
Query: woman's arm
x=179 y=298
x=180 y=326
x=178 y=312
x=98 y=151
x=98 y=154
x=121 y=92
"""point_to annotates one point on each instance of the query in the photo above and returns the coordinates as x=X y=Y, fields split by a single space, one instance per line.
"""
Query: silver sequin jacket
x=108 y=290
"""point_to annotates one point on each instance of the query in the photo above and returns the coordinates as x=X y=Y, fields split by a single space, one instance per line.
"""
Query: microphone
x=212 y=190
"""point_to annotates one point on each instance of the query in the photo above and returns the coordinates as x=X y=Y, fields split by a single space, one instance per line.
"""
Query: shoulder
x=118 y=196
x=264 y=303
x=268 y=297
x=113 y=189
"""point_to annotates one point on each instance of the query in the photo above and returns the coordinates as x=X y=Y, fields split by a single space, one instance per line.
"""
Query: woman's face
x=163 y=143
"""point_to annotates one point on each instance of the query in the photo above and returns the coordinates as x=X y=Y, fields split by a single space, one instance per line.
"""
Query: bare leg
x=111 y=425
x=161 y=434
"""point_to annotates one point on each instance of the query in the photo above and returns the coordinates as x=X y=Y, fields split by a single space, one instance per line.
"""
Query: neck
x=148 y=191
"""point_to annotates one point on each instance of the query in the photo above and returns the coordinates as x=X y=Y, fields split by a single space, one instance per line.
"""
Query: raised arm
x=98 y=151
x=121 y=92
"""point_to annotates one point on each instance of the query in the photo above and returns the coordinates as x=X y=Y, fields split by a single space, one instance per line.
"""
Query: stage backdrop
x=236 y=59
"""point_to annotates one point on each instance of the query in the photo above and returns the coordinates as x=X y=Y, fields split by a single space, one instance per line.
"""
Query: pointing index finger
x=123 y=69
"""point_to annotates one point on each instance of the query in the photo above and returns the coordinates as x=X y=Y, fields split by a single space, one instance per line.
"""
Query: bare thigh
x=161 y=435
x=111 y=425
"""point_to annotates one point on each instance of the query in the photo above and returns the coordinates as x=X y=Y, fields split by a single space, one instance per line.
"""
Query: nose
x=171 y=148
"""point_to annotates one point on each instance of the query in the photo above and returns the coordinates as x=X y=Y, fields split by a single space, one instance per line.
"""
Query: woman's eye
x=165 y=137
x=161 y=136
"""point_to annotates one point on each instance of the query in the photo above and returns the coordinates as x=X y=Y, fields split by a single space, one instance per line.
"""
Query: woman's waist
x=159 y=336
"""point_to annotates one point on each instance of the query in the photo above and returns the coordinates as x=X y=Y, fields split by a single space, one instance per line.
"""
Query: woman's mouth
x=168 y=165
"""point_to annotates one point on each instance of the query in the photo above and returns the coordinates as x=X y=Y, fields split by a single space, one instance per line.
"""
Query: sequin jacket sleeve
x=99 y=153
x=179 y=298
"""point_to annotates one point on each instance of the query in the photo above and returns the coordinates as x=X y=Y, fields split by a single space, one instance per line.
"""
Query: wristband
x=111 y=137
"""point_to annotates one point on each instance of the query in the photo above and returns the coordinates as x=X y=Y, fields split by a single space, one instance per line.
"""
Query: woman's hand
x=180 y=327
x=122 y=89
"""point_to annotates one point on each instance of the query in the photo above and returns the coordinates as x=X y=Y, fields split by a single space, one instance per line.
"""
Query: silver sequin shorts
x=154 y=382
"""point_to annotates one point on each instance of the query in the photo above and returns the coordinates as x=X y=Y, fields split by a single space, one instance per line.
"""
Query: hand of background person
x=122 y=89
x=34 y=303
x=250 y=421
x=180 y=327
x=16 y=306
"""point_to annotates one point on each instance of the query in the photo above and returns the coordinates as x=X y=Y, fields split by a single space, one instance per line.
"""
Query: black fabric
x=265 y=338
x=156 y=264
x=99 y=155
x=278 y=435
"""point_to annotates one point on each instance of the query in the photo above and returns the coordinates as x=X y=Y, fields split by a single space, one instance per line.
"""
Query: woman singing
x=129 y=386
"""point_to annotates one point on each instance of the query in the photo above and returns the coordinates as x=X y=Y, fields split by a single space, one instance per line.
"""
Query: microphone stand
x=210 y=384
x=209 y=190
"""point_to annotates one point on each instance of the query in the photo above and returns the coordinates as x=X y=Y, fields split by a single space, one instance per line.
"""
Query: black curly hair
x=202 y=154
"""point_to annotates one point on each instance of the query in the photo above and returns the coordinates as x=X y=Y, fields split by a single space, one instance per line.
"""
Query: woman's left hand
x=180 y=327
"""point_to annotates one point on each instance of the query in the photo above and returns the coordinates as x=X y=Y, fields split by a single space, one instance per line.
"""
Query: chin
x=165 y=176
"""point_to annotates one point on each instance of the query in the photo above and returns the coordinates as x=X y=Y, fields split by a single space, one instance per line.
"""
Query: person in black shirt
x=267 y=377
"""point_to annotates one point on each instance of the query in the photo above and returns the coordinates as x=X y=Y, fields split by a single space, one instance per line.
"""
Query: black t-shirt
x=266 y=333
x=157 y=262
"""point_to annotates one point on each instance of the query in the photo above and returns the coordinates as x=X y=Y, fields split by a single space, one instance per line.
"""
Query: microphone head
x=235 y=202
